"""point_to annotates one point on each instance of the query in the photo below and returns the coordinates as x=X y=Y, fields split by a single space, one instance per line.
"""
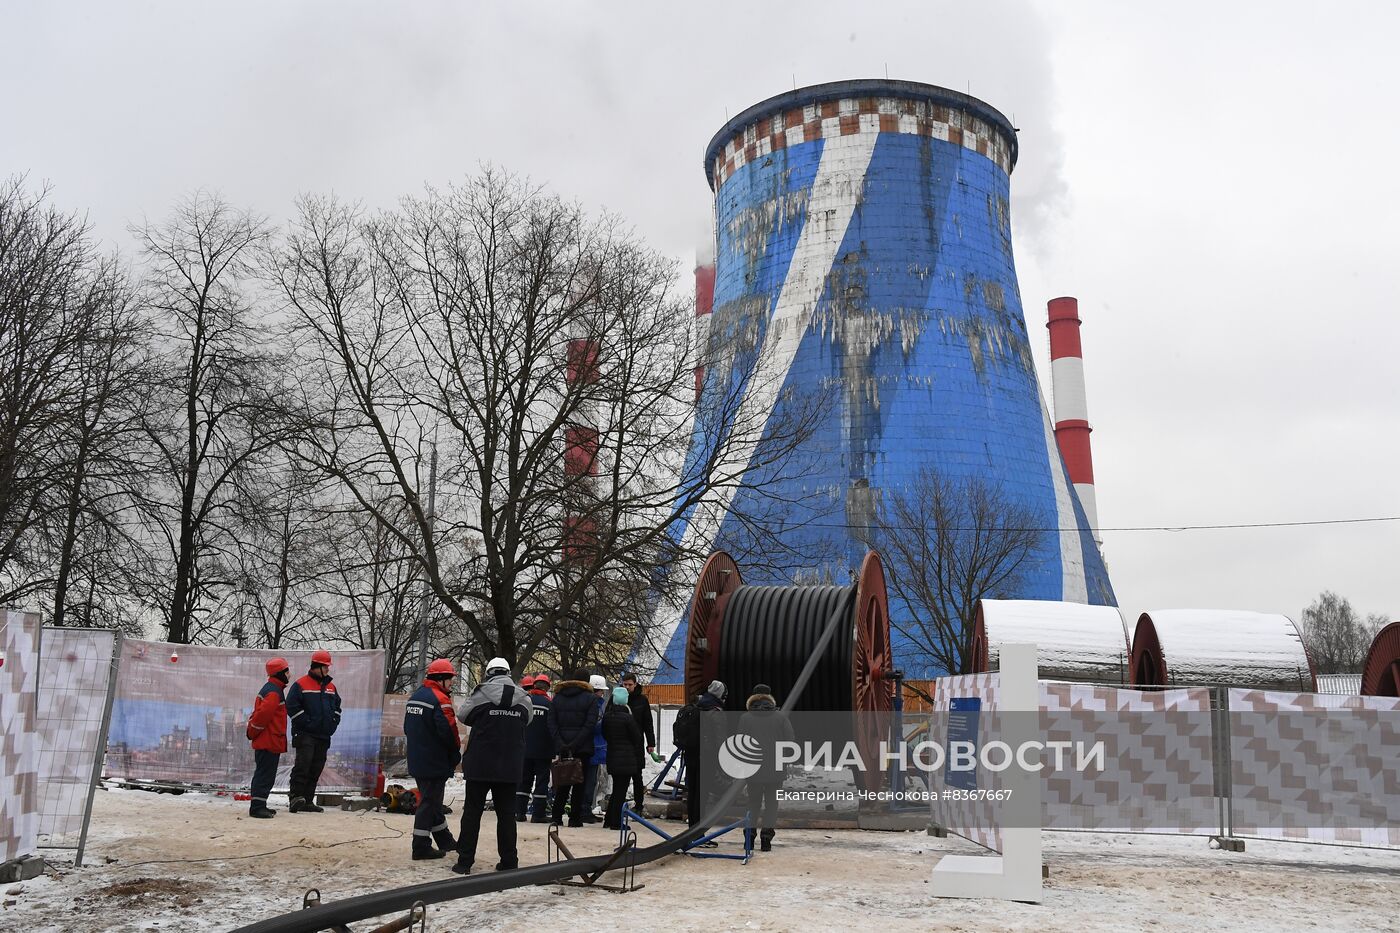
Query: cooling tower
x=864 y=277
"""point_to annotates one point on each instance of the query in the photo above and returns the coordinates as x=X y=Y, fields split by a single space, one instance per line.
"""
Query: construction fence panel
x=181 y=713
x=1314 y=767
x=76 y=668
x=19 y=760
x=1158 y=774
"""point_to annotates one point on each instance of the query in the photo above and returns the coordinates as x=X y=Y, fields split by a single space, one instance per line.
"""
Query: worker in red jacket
x=267 y=729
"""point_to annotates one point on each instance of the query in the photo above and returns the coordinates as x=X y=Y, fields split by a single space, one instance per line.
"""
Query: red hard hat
x=321 y=657
x=528 y=680
x=441 y=666
x=276 y=666
x=542 y=679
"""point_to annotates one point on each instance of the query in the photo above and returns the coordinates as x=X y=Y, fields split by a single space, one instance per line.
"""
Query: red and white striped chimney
x=580 y=443
x=704 y=304
x=1071 y=409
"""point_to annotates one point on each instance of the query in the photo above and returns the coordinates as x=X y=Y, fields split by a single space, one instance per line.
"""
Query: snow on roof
x=1231 y=647
x=1084 y=644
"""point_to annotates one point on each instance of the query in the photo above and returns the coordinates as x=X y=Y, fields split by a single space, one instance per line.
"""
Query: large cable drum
x=1220 y=647
x=1075 y=642
x=746 y=635
x=1381 y=675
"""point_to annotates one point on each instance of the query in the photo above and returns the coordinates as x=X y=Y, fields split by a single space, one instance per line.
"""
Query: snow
x=197 y=862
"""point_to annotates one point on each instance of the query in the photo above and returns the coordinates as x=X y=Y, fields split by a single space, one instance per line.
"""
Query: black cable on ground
x=354 y=909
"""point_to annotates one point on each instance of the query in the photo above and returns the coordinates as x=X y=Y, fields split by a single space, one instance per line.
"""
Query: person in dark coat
x=313 y=705
x=624 y=753
x=711 y=734
x=498 y=713
x=434 y=749
x=532 y=798
x=768 y=726
x=640 y=706
x=573 y=714
x=267 y=730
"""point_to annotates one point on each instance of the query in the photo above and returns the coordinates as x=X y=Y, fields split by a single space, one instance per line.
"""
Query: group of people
x=312 y=707
x=538 y=750
x=696 y=733
x=536 y=754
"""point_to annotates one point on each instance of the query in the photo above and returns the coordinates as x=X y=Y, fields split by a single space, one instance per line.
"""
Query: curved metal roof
x=1075 y=642
x=1220 y=647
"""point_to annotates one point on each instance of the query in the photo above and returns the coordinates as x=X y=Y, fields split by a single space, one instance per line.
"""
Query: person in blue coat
x=596 y=783
x=434 y=749
x=532 y=799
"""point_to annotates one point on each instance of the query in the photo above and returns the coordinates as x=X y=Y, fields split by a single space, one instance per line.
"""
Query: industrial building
x=864 y=269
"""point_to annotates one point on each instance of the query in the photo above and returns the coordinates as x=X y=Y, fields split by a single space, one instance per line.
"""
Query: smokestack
x=704 y=304
x=1071 y=410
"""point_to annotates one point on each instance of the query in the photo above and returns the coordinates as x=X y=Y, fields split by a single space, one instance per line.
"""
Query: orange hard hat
x=441 y=666
x=276 y=666
x=321 y=657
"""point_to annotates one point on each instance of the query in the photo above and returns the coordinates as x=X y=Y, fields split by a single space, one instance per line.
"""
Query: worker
x=624 y=753
x=698 y=736
x=314 y=708
x=434 y=751
x=768 y=726
x=640 y=706
x=498 y=713
x=573 y=716
x=267 y=730
x=532 y=799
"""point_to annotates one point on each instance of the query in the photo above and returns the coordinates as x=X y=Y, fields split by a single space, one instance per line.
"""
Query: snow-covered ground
x=196 y=862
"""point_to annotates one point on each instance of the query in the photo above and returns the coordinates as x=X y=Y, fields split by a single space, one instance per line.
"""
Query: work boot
x=297 y=805
x=309 y=806
x=766 y=841
x=462 y=868
x=262 y=813
x=507 y=866
x=444 y=840
x=421 y=853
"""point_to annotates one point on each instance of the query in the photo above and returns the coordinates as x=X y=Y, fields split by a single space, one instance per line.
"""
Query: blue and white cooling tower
x=863 y=253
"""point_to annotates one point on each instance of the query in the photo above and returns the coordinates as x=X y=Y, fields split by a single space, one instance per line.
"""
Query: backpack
x=685 y=731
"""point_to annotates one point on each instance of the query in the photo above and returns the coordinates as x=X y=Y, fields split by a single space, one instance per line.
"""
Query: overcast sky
x=1213 y=182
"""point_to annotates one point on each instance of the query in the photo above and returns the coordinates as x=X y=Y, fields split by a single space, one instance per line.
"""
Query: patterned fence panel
x=1315 y=767
x=1158 y=774
x=977 y=820
x=75 y=674
x=19 y=778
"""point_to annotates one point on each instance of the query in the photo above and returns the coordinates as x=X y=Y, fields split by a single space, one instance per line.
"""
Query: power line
x=1325 y=521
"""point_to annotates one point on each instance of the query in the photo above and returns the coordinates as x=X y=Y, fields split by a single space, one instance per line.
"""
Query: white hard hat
x=597 y=682
x=497 y=666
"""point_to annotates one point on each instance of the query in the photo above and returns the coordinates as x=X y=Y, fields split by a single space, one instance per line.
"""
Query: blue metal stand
x=629 y=816
x=677 y=760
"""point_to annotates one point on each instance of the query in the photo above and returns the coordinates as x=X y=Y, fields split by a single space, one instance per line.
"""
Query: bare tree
x=1336 y=637
x=70 y=369
x=460 y=316
x=216 y=392
x=946 y=544
x=96 y=545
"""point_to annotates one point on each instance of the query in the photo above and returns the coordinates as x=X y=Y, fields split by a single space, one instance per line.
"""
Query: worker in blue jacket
x=313 y=709
x=434 y=751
